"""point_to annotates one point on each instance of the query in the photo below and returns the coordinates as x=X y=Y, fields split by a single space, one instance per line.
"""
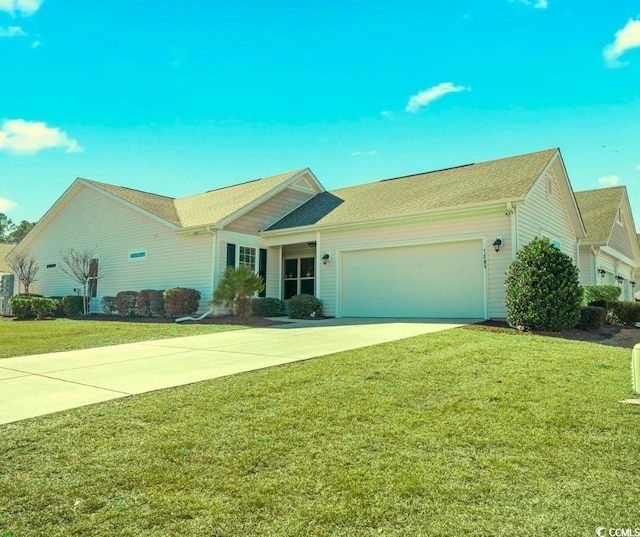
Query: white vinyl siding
x=269 y=212
x=112 y=230
x=544 y=213
x=488 y=227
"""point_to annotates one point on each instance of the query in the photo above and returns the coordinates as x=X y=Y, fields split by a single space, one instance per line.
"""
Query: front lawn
x=464 y=432
x=19 y=338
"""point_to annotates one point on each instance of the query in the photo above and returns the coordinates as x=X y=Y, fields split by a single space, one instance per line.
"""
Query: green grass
x=465 y=432
x=20 y=338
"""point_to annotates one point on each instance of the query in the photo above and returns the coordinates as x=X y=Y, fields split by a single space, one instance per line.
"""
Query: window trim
x=254 y=254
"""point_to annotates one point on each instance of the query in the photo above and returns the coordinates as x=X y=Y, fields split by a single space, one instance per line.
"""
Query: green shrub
x=22 y=307
x=304 y=306
x=43 y=307
x=268 y=307
x=109 y=305
x=150 y=302
x=543 y=290
x=58 y=311
x=592 y=318
x=73 y=305
x=624 y=312
x=181 y=301
x=126 y=303
x=593 y=293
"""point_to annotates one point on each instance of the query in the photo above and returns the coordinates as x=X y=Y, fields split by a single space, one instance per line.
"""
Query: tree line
x=11 y=232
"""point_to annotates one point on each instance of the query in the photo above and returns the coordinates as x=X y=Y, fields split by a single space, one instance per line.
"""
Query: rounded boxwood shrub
x=592 y=318
x=305 y=306
x=268 y=307
x=150 y=302
x=73 y=305
x=181 y=301
x=126 y=303
x=109 y=305
x=543 y=290
x=22 y=305
x=43 y=307
x=593 y=293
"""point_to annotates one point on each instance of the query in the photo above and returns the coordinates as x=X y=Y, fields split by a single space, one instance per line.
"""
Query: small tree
x=236 y=289
x=82 y=267
x=25 y=267
x=543 y=290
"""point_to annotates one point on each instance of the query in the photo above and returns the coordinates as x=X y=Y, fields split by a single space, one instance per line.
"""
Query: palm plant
x=236 y=289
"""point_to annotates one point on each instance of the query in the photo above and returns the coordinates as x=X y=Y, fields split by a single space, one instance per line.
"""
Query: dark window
x=263 y=270
x=299 y=277
x=93 y=278
x=231 y=255
x=51 y=265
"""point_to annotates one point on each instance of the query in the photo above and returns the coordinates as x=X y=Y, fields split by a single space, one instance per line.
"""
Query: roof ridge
x=291 y=172
x=100 y=184
x=425 y=173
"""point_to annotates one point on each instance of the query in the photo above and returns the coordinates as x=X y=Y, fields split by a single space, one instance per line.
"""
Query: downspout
x=214 y=247
x=512 y=213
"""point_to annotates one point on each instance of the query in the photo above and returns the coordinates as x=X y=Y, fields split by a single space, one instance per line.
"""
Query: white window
x=247 y=256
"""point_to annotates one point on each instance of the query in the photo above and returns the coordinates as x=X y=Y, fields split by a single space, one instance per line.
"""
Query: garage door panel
x=441 y=280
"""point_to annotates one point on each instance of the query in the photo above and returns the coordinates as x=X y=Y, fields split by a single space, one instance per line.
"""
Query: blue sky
x=181 y=98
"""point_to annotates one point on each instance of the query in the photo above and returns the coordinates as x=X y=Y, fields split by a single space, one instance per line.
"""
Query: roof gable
x=503 y=180
x=599 y=209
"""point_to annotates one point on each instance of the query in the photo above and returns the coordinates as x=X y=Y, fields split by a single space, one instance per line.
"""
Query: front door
x=299 y=276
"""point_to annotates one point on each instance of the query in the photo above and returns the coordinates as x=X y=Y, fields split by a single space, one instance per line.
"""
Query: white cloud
x=6 y=205
x=25 y=7
x=626 y=39
x=363 y=153
x=36 y=43
x=638 y=167
x=12 y=31
x=386 y=113
x=539 y=4
x=29 y=137
x=424 y=97
x=609 y=180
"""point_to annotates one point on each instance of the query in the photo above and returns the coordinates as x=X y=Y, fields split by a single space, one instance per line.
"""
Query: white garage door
x=429 y=281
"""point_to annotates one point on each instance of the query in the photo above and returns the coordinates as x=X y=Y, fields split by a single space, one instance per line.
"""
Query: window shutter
x=231 y=255
x=262 y=270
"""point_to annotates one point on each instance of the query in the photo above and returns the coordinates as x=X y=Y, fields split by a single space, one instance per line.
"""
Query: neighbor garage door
x=431 y=281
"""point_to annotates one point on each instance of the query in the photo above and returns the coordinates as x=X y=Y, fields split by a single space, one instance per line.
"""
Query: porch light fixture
x=325 y=258
x=602 y=272
x=633 y=284
x=497 y=243
x=620 y=279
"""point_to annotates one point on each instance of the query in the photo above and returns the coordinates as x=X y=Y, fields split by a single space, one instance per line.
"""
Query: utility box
x=635 y=368
x=6 y=292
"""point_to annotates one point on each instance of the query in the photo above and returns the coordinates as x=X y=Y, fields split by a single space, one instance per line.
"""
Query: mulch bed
x=608 y=335
x=254 y=322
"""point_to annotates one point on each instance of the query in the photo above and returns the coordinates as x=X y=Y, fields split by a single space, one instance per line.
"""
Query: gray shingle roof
x=599 y=208
x=4 y=250
x=504 y=179
x=200 y=209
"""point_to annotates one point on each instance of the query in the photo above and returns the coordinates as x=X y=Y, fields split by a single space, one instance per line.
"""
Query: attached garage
x=444 y=280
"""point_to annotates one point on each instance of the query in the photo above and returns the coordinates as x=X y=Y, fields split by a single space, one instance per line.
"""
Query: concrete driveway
x=45 y=383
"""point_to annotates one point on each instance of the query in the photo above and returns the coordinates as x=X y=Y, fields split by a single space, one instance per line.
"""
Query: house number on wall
x=484 y=257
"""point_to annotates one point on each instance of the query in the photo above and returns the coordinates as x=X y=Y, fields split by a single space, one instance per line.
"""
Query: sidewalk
x=45 y=383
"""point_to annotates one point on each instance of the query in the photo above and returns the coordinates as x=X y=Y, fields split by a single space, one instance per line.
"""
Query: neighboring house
x=609 y=255
x=414 y=246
